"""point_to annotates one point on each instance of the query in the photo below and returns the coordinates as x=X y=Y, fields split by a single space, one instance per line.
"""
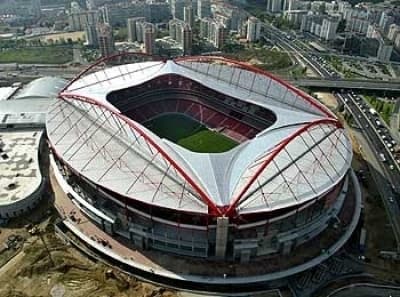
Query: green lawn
x=38 y=55
x=190 y=134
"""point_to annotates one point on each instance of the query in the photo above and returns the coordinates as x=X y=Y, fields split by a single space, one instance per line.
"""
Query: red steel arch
x=230 y=210
x=213 y=208
x=257 y=70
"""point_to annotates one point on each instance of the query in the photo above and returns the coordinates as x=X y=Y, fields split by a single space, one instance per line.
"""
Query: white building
x=253 y=29
x=78 y=20
x=384 y=51
x=188 y=15
x=295 y=16
x=177 y=9
x=289 y=5
x=394 y=30
x=372 y=31
x=274 y=6
x=135 y=29
x=91 y=35
x=342 y=5
x=328 y=28
x=203 y=8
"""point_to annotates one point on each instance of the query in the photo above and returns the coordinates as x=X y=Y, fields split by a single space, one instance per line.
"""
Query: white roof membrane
x=105 y=149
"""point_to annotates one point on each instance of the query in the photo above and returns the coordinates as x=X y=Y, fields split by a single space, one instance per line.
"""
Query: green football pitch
x=190 y=134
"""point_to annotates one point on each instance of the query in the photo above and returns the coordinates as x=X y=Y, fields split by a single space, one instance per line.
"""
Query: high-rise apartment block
x=253 y=29
x=203 y=8
x=135 y=29
x=149 y=38
x=105 y=39
x=188 y=15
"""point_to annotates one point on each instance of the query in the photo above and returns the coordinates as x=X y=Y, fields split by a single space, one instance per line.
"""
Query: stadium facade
x=281 y=187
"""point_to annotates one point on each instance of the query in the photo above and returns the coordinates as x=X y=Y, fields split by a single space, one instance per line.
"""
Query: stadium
x=203 y=158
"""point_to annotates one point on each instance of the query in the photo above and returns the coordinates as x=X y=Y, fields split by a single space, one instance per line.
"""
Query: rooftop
x=6 y=92
x=19 y=165
x=301 y=156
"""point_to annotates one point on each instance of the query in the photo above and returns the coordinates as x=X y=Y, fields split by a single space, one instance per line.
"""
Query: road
x=348 y=84
x=291 y=46
x=330 y=78
x=385 y=174
x=366 y=290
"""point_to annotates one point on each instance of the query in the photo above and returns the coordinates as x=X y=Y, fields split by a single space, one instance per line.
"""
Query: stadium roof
x=297 y=159
x=44 y=87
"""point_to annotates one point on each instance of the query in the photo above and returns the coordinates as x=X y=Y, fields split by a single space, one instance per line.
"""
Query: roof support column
x=221 y=240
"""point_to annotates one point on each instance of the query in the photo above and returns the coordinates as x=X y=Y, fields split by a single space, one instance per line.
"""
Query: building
x=329 y=28
x=118 y=13
x=253 y=29
x=295 y=16
x=357 y=20
x=22 y=182
x=386 y=20
x=203 y=9
x=135 y=29
x=187 y=40
x=220 y=36
x=188 y=15
x=384 y=51
x=177 y=7
x=75 y=7
x=91 y=35
x=205 y=24
x=323 y=26
x=275 y=6
x=77 y=21
x=318 y=7
x=105 y=39
x=343 y=5
x=176 y=29
x=255 y=200
x=23 y=148
x=397 y=41
x=394 y=30
x=214 y=32
x=289 y=5
x=149 y=38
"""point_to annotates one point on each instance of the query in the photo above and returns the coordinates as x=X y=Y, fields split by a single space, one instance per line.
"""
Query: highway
x=348 y=84
x=329 y=77
x=291 y=46
x=386 y=174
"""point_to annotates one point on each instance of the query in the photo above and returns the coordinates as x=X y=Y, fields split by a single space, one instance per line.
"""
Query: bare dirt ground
x=327 y=99
x=47 y=267
x=43 y=265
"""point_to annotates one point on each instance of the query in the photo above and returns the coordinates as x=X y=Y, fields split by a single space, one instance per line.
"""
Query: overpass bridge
x=348 y=84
